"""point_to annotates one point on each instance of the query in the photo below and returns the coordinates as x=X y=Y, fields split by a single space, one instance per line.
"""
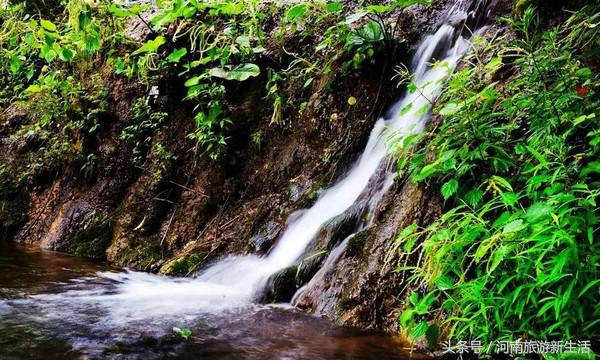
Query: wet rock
x=263 y=242
x=362 y=289
x=14 y=202
x=281 y=286
x=94 y=239
x=185 y=265
x=308 y=267
x=299 y=189
x=336 y=230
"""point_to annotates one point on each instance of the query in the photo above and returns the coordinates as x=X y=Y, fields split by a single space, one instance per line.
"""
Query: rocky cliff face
x=174 y=214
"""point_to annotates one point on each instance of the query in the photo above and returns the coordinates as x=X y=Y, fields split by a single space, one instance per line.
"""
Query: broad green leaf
x=118 y=11
x=239 y=73
x=368 y=33
x=591 y=168
x=473 y=197
x=176 y=55
x=350 y=19
x=509 y=198
x=243 y=41
x=15 y=64
x=514 y=226
x=334 y=7
x=538 y=211
x=48 y=25
x=407 y=231
x=432 y=335
x=296 y=12
x=66 y=54
x=449 y=188
x=449 y=109
x=494 y=64
x=151 y=46
x=444 y=282
x=419 y=330
x=502 y=182
x=405 y=109
x=406 y=317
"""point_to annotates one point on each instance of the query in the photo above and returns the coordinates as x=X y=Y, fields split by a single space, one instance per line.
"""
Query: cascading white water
x=234 y=281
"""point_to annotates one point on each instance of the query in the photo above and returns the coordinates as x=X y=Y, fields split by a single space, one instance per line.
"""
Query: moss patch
x=93 y=241
x=185 y=265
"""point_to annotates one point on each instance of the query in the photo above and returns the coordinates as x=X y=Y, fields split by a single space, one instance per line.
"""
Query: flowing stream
x=93 y=309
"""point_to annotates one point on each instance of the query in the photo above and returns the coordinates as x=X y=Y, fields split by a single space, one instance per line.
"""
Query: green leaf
x=350 y=19
x=239 y=73
x=473 y=197
x=514 y=226
x=32 y=89
x=407 y=231
x=66 y=54
x=498 y=256
x=296 y=12
x=176 y=55
x=444 y=282
x=450 y=108
x=406 y=317
x=48 y=25
x=368 y=33
x=583 y=118
x=494 y=64
x=538 y=211
x=118 y=11
x=591 y=168
x=502 y=182
x=449 y=188
x=193 y=81
x=509 y=198
x=15 y=64
x=151 y=46
x=432 y=335
x=243 y=41
x=419 y=330
x=183 y=332
x=405 y=109
x=585 y=72
x=334 y=7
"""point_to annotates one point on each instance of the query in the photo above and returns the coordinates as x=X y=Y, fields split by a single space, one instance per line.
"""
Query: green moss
x=93 y=241
x=184 y=265
x=14 y=201
x=142 y=253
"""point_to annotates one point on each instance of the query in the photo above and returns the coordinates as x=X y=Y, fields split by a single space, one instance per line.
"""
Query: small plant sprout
x=185 y=333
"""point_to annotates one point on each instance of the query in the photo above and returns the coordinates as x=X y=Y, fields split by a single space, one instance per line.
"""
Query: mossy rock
x=356 y=242
x=14 y=201
x=185 y=265
x=93 y=241
x=281 y=286
x=142 y=253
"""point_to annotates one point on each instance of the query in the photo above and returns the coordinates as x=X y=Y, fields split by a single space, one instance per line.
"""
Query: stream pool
x=55 y=306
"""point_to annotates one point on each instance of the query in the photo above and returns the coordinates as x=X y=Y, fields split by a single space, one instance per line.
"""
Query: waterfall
x=234 y=281
x=246 y=274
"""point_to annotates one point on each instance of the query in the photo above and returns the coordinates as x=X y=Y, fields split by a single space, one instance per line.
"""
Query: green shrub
x=515 y=253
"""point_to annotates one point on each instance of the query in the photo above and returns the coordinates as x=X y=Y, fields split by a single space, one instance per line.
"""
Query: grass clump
x=515 y=255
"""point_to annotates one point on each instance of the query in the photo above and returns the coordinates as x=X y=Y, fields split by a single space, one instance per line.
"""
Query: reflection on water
x=54 y=306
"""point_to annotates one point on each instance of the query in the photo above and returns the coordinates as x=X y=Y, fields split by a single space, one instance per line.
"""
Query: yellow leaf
x=555 y=218
x=351 y=100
